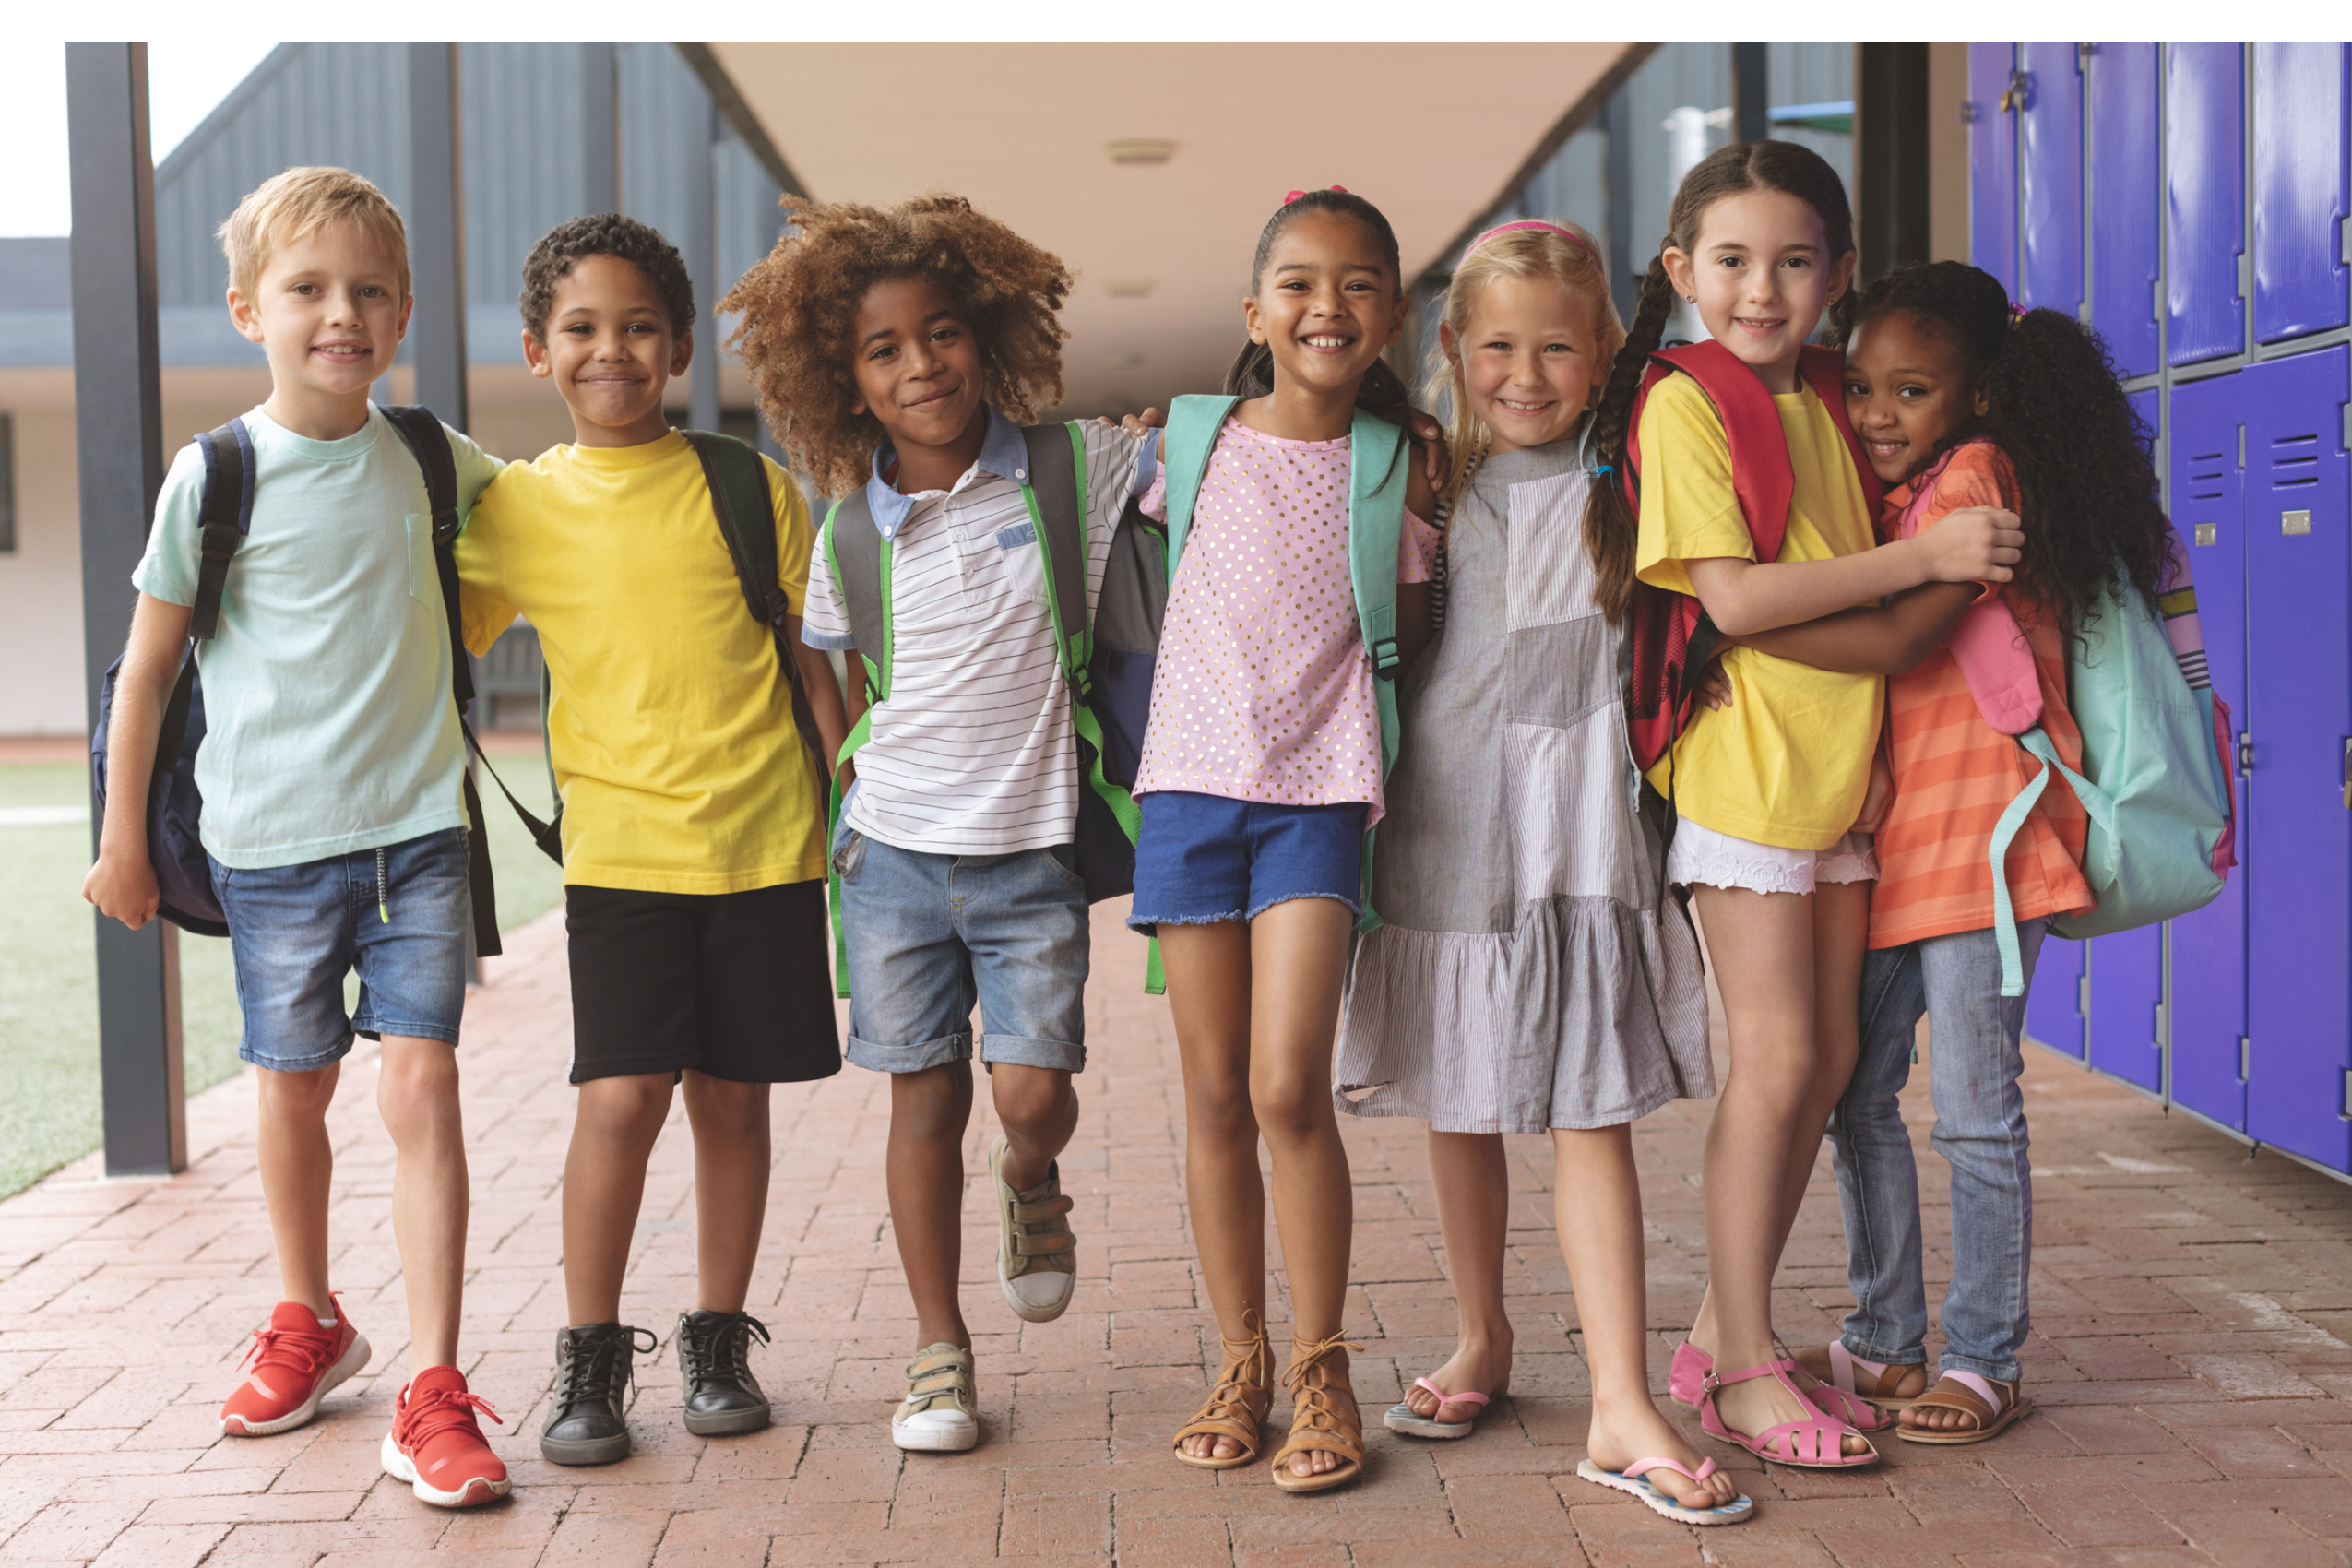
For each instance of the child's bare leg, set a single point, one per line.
(1762, 946)
(1209, 996)
(929, 1111)
(1038, 1108)
(1597, 1200)
(1473, 1187)
(732, 1162)
(417, 1092)
(297, 1164)
(1298, 965)
(613, 1135)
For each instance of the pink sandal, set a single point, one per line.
(1837, 1400)
(1817, 1443)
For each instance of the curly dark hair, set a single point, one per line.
(2088, 490)
(1381, 391)
(608, 233)
(798, 308)
(1783, 166)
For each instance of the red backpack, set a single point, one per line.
(1672, 638)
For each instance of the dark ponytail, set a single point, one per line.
(1381, 391)
(1611, 530)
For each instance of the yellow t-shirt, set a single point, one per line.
(1788, 762)
(671, 727)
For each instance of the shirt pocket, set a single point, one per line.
(1021, 562)
(424, 573)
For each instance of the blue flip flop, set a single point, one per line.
(1634, 1479)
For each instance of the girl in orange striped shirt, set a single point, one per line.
(1963, 400)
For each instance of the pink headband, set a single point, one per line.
(1296, 195)
(1582, 244)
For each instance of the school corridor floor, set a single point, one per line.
(2192, 1358)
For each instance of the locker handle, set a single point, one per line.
(2245, 754)
(2245, 1049)
(2347, 773)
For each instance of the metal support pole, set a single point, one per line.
(118, 433)
(1751, 92)
(702, 266)
(600, 129)
(436, 233)
(1627, 251)
(1891, 127)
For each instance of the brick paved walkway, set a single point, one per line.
(2191, 1364)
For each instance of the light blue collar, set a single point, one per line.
(1004, 454)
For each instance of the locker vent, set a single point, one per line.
(2208, 475)
(2294, 462)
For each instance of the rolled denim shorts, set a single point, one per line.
(931, 937)
(1202, 859)
(398, 915)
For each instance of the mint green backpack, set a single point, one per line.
(2156, 779)
(1378, 475)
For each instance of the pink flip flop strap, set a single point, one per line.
(1643, 1467)
(1445, 1398)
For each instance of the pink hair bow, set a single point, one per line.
(1296, 195)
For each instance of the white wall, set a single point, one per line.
(41, 583)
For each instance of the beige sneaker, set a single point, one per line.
(1037, 1259)
(940, 1411)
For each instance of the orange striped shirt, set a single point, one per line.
(1954, 773)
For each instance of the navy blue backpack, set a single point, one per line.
(174, 806)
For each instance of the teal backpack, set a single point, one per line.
(2156, 779)
(1377, 477)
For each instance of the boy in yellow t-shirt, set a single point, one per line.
(693, 846)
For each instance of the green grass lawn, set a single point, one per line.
(48, 971)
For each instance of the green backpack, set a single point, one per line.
(1378, 475)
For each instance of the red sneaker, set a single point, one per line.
(436, 1447)
(295, 1362)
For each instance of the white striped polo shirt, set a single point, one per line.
(974, 753)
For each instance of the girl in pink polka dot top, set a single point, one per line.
(1261, 773)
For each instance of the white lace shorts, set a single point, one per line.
(1703, 858)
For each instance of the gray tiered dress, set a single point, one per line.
(1524, 978)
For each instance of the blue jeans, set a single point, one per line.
(931, 935)
(398, 915)
(1974, 1063)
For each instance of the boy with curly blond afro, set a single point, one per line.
(898, 353)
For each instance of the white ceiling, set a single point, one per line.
(1431, 133)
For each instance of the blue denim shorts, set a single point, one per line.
(1207, 858)
(398, 915)
(929, 937)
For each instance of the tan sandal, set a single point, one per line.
(1994, 1407)
(1236, 1407)
(1324, 1418)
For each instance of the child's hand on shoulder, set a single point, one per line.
(1429, 437)
(1975, 545)
(1136, 424)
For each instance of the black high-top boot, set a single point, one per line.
(585, 1424)
(714, 1363)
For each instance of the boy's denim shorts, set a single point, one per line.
(398, 915)
(1202, 859)
(931, 935)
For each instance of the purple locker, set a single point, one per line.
(2125, 1034)
(2050, 178)
(2054, 1007)
(2204, 199)
(2126, 193)
(2299, 676)
(2209, 946)
(2302, 188)
(1992, 161)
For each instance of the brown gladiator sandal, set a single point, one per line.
(1236, 1407)
(1324, 1418)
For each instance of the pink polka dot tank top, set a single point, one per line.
(1263, 690)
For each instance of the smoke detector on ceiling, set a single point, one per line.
(1141, 150)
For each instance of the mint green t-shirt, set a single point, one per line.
(329, 726)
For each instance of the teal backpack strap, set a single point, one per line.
(2004, 831)
(1377, 478)
(860, 558)
(1193, 423)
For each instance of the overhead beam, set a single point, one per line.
(739, 118)
(118, 437)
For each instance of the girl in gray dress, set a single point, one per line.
(1528, 978)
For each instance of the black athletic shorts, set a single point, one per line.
(734, 985)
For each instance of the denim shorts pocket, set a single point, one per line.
(1062, 860)
(849, 855)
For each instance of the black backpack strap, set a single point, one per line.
(737, 480)
(224, 515)
(1054, 475)
(428, 440)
